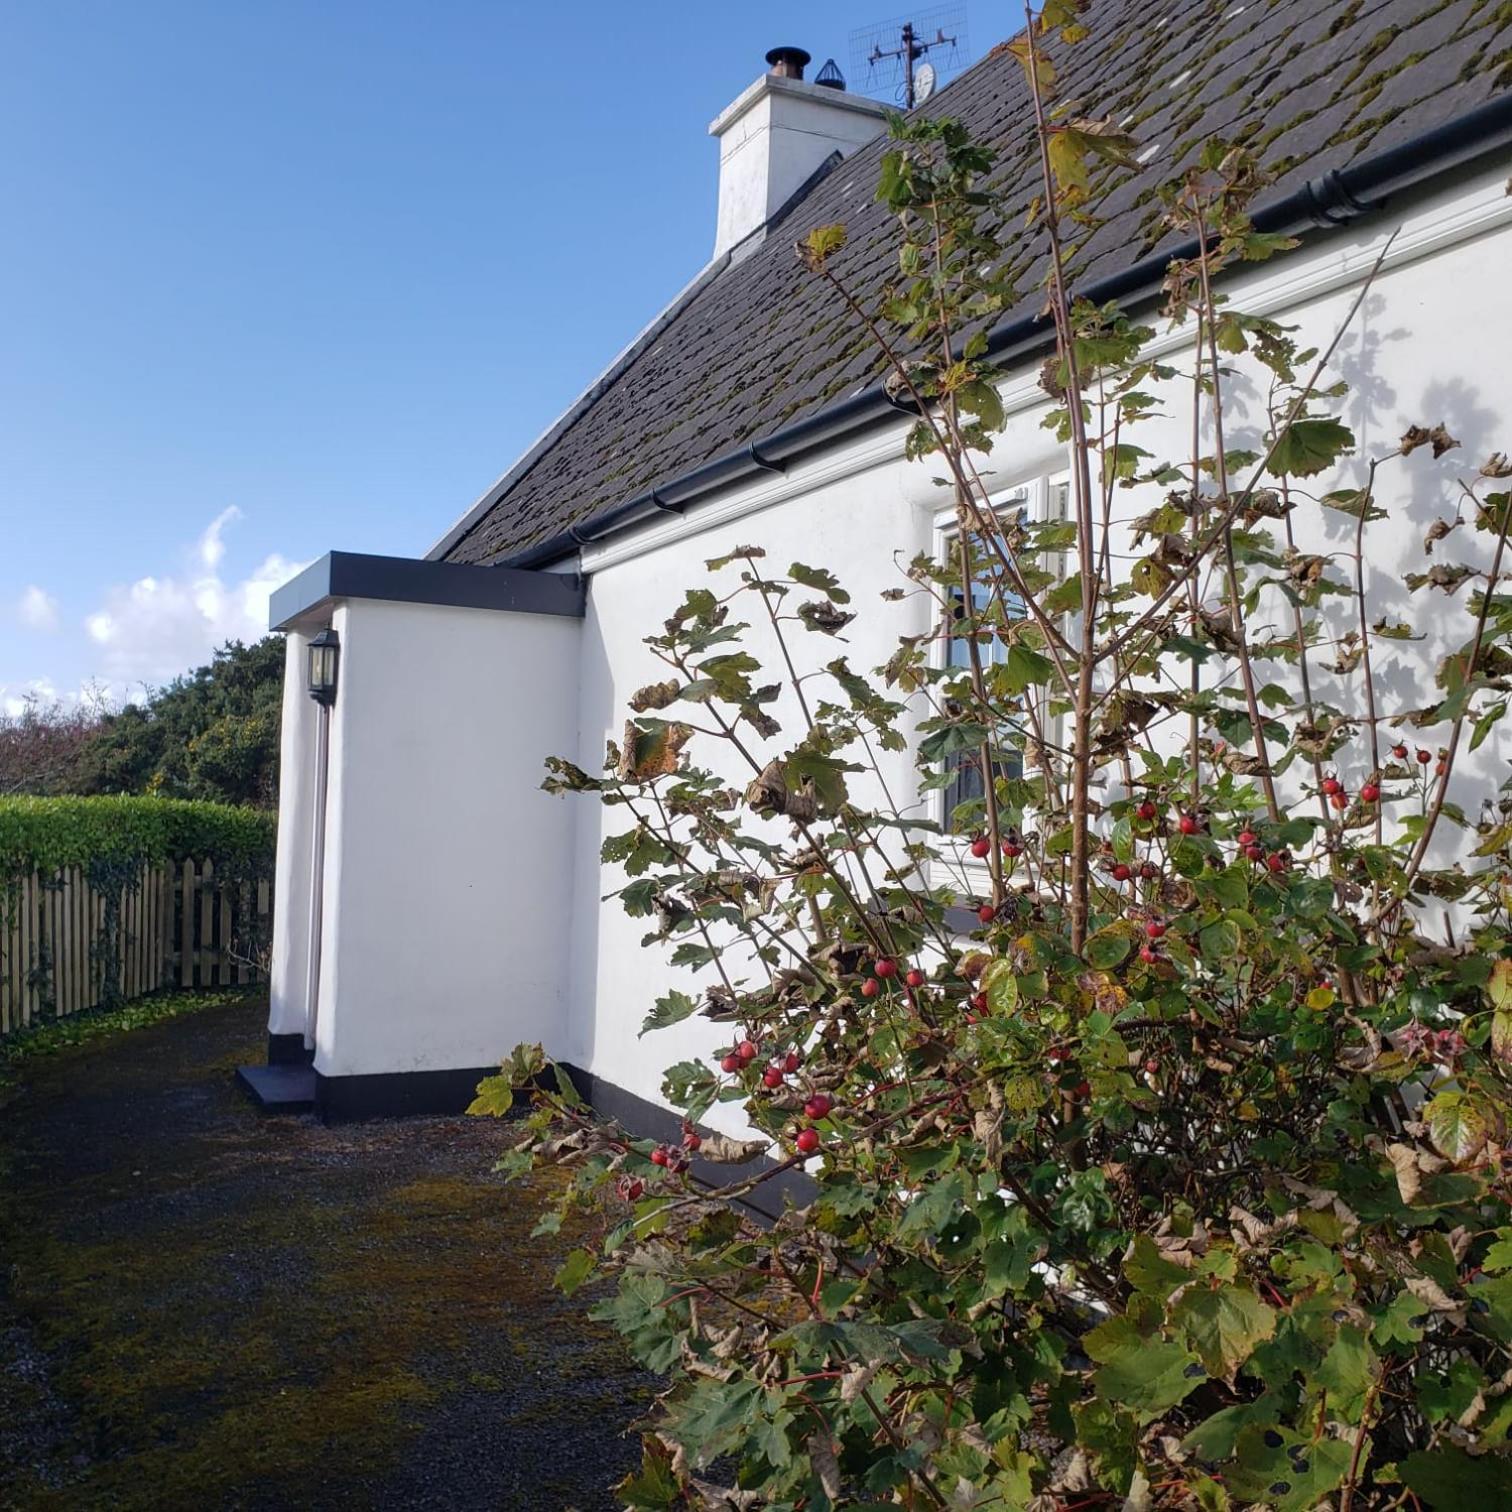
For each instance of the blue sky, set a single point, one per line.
(287, 276)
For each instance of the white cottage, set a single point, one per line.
(434, 907)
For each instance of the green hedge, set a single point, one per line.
(43, 834)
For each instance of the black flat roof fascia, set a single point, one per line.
(409, 580)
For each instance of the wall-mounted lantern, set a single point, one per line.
(324, 653)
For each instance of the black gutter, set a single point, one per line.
(1335, 199)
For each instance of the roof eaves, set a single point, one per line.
(584, 401)
(1332, 200)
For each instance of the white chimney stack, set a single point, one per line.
(777, 133)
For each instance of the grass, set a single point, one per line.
(50, 1036)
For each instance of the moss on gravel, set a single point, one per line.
(209, 1308)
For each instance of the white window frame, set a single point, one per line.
(1044, 496)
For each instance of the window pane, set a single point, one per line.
(965, 766)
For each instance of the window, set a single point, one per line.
(966, 766)
(966, 785)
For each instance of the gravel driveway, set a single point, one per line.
(202, 1307)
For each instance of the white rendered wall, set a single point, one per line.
(289, 976)
(447, 888)
(1429, 346)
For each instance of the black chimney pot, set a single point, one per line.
(788, 62)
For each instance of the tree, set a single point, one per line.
(42, 746)
(1178, 1180)
(212, 733)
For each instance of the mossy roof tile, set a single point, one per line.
(1317, 83)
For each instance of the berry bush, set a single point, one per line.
(1155, 1104)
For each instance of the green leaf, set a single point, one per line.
(1308, 446)
(1456, 1127)
(574, 1270)
(495, 1097)
(817, 577)
(1001, 986)
(826, 773)
(1148, 1271)
(821, 244)
(1149, 1375)
(1499, 984)
(1450, 1478)
(654, 1487)
(1009, 1252)
(1108, 947)
(1346, 1374)
(715, 1416)
(671, 1009)
(1288, 1471)
(1215, 1438)
(650, 1323)
(770, 1436)
(1223, 1325)
(1024, 668)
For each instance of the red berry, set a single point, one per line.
(793, 1061)
(1152, 1065)
(1188, 824)
(772, 1076)
(1369, 793)
(1147, 809)
(1148, 954)
(1399, 751)
(1012, 849)
(659, 1156)
(915, 978)
(1276, 862)
(1247, 838)
(1424, 758)
(1442, 769)
(746, 1050)
(1255, 852)
(1332, 785)
(1339, 800)
(986, 913)
(692, 1141)
(632, 1189)
(980, 846)
(886, 968)
(819, 1105)
(1148, 870)
(1122, 872)
(807, 1140)
(979, 1002)
(870, 987)
(1155, 929)
(731, 1062)
(1081, 1089)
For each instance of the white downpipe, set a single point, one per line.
(317, 869)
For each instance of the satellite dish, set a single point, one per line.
(924, 82)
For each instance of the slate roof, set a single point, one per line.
(1311, 85)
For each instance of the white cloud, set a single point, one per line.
(14, 697)
(157, 627)
(37, 609)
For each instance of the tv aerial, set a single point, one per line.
(891, 56)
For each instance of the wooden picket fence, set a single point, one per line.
(178, 927)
